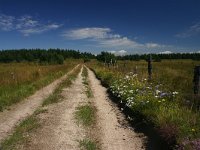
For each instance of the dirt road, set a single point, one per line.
(18, 112)
(114, 135)
(59, 131)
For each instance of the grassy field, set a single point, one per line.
(32, 122)
(19, 80)
(166, 100)
(174, 75)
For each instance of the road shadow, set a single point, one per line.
(140, 125)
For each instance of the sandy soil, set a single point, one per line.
(18, 112)
(59, 130)
(115, 135)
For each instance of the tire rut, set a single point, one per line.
(18, 112)
(114, 135)
(58, 130)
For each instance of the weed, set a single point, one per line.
(86, 83)
(87, 144)
(56, 95)
(85, 115)
(159, 102)
(19, 80)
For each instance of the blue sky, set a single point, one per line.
(118, 26)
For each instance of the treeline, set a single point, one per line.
(159, 57)
(50, 56)
(107, 57)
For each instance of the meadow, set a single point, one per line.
(19, 80)
(167, 100)
(172, 75)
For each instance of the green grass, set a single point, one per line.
(32, 122)
(20, 80)
(56, 95)
(86, 83)
(22, 131)
(85, 115)
(87, 144)
(174, 120)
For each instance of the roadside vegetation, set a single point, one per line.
(87, 144)
(86, 83)
(22, 131)
(161, 101)
(19, 80)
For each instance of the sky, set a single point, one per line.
(118, 26)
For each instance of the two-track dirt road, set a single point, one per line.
(58, 129)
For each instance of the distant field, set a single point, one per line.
(19, 80)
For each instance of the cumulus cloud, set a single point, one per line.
(87, 33)
(26, 24)
(39, 29)
(166, 52)
(104, 37)
(6, 22)
(191, 31)
(120, 52)
(152, 45)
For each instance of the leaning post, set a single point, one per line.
(196, 81)
(150, 67)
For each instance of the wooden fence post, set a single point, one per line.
(150, 67)
(196, 80)
(135, 70)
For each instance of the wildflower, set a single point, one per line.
(159, 101)
(157, 86)
(163, 94)
(147, 101)
(163, 100)
(127, 77)
(131, 91)
(193, 130)
(157, 92)
(156, 96)
(175, 93)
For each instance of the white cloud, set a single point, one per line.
(115, 42)
(26, 24)
(87, 33)
(6, 22)
(166, 52)
(152, 45)
(191, 31)
(39, 29)
(103, 36)
(120, 52)
(112, 52)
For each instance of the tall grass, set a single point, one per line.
(157, 101)
(175, 75)
(19, 80)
